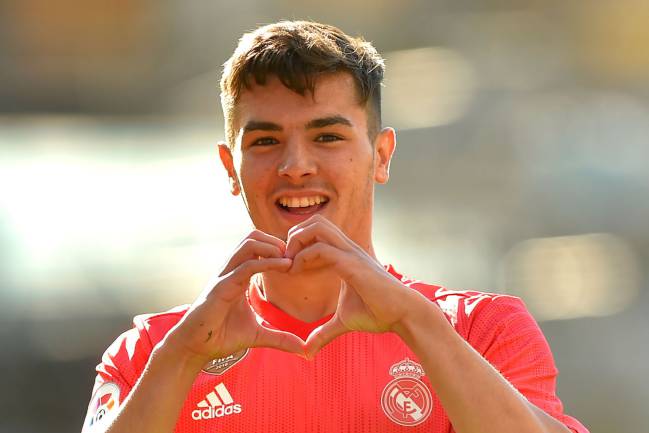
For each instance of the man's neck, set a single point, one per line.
(307, 296)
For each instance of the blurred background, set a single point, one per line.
(521, 167)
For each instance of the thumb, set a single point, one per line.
(323, 335)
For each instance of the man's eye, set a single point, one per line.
(327, 138)
(264, 141)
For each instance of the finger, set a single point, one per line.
(324, 335)
(242, 274)
(270, 239)
(316, 256)
(280, 340)
(307, 222)
(251, 249)
(315, 219)
(317, 231)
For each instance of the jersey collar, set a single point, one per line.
(275, 318)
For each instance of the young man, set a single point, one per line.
(304, 330)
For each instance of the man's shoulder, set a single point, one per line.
(157, 325)
(463, 307)
(466, 305)
(126, 357)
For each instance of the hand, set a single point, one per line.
(220, 322)
(370, 299)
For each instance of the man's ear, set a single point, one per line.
(228, 163)
(384, 145)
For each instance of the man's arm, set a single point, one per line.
(163, 385)
(476, 397)
(220, 322)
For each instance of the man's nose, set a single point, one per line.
(297, 162)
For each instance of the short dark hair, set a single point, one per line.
(297, 52)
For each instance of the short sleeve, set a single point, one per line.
(120, 367)
(507, 335)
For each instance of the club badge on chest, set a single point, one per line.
(406, 400)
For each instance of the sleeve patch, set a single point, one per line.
(103, 405)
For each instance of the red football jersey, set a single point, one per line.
(360, 382)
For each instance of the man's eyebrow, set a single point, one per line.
(260, 125)
(328, 121)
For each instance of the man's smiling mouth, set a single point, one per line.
(302, 205)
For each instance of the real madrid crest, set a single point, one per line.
(406, 400)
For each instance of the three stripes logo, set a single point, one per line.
(216, 404)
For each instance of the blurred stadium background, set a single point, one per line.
(521, 168)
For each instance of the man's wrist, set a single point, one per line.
(168, 352)
(423, 317)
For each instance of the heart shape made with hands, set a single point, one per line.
(323, 334)
(327, 332)
(367, 300)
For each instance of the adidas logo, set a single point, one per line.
(216, 404)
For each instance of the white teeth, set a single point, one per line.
(302, 201)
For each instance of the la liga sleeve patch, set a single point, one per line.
(103, 406)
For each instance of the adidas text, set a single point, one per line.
(215, 412)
